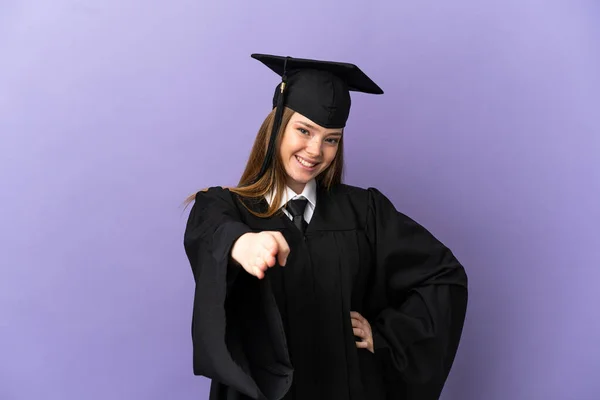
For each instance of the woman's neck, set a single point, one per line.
(296, 187)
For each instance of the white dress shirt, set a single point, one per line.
(309, 193)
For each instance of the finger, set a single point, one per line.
(268, 248)
(258, 273)
(282, 247)
(260, 263)
(268, 258)
(360, 321)
(360, 333)
(362, 345)
(356, 323)
(270, 261)
(269, 243)
(354, 314)
(256, 268)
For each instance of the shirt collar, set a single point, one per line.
(309, 193)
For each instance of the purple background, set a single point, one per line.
(112, 111)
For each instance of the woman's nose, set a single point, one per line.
(314, 147)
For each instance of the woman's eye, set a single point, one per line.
(333, 141)
(303, 131)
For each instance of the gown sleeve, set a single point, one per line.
(237, 340)
(416, 333)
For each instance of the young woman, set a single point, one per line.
(307, 288)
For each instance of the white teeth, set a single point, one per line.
(305, 163)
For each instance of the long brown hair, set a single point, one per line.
(276, 177)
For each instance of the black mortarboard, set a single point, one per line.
(319, 90)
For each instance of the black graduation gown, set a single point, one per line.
(290, 336)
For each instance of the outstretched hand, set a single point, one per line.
(256, 252)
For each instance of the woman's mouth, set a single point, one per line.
(306, 164)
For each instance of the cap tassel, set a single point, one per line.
(276, 123)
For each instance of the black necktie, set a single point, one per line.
(296, 208)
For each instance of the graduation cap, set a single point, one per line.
(319, 90)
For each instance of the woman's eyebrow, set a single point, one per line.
(305, 124)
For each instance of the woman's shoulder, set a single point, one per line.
(213, 193)
(359, 193)
(363, 200)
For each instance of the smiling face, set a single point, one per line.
(306, 150)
